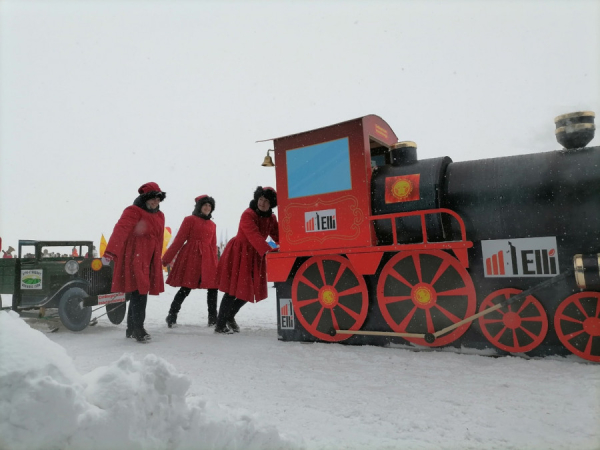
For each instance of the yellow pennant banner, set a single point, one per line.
(102, 245)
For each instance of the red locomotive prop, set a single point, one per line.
(497, 256)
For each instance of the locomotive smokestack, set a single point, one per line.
(575, 130)
(404, 152)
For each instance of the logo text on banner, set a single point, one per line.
(114, 297)
(324, 220)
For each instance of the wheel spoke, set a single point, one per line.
(309, 283)
(339, 274)
(334, 321)
(574, 334)
(497, 336)
(583, 311)
(570, 319)
(515, 338)
(348, 311)
(528, 333)
(303, 303)
(430, 326)
(417, 263)
(440, 271)
(350, 291)
(526, 303)
(400, 278)
(315, 322)
(532, 319)
(459, 291)
(486, 321)
(395, 298)
(588, 346)
(407, 319)
(448, 314)
(321, 270)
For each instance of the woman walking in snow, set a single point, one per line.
(135, 246)
(196, 264)
(242, 273)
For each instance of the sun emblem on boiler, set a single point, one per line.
(402, 189)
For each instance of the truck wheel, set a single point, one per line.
(71, 311)
(116, 312)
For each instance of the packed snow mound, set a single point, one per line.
(46, 404)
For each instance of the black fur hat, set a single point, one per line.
(202, 199)
(268, 193)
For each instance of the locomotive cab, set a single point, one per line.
(324, 188)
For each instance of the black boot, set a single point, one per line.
(171, 319)
(231, 323)
(224, 312)
(140, 335)
(211, 300)
(176, 306)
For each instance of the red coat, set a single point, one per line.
(242, 270)
(196, 264)
(136, 242)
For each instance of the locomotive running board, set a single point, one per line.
(377, 333)
(431, 337)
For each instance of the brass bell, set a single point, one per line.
(268, 161)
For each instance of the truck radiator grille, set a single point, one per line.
(100, 281)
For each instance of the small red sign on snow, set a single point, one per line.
(115, 297)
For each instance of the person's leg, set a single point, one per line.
(224, 311)
(129, 330)
(211, 300)
(138, 315)
(237, 305)
(176, 305)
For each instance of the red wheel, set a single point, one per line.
(577, 324)
(328, 293)
(516, 328)
(424, 292)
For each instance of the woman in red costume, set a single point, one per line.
(242, 273)
(135, 246)
(196, 265)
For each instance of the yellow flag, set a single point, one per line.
(166, 239)
(102, 246)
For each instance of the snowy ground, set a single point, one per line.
(190, 388)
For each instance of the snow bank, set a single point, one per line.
(45, 403)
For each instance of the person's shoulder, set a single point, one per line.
(133, 210)
(249, 212)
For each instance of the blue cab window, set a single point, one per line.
(319, 169)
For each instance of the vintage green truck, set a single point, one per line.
(65, 275)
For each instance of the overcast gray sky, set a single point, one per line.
(99, 97)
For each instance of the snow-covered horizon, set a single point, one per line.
(190, 388)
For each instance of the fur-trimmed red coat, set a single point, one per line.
(196, 263)
(242, 270)
(136, 243)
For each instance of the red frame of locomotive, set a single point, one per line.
(356, 240)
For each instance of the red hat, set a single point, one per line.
(151, 190)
